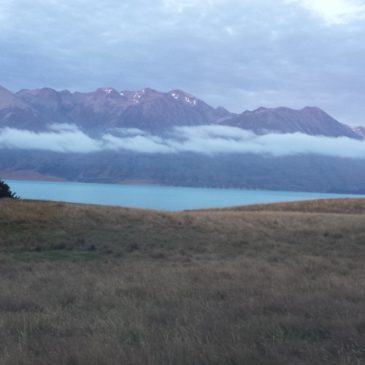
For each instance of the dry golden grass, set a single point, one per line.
(340, 206)
(95, 285)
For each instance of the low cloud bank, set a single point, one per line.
(207, 139)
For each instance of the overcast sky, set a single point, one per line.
(240, 54)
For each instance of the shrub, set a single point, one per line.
(5, 191)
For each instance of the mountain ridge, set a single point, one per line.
(103, 111)
(151, 110)
(308, 120)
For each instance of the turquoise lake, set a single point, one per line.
(155, 196)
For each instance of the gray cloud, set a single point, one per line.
(237, 53)
(209, 140)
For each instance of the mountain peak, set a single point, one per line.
(183, 96)
(9, 100)
(258, 110)
(3, 90)
(42, 92)
(360, 130)
(313, 110)
(308, 120)
(135, 97)
(107, 91)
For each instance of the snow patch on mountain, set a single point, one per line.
(184, 97)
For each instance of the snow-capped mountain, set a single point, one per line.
(107, 108)
(89, 150)
(154, 111)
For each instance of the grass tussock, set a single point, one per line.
(282, 284)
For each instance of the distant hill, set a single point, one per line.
(249, 171)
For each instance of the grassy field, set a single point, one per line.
(90, 285)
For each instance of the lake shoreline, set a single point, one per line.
(156, 197)
(148, 182)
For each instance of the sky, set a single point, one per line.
(240, 54)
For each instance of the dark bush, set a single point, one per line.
(5, 191)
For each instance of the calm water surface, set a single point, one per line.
(155, 196)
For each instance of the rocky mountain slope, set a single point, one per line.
(153, 111)
(105, 108)
(309, 120)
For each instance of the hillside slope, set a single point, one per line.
(286, 173)
(100, 285)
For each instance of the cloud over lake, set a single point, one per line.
(206, 139)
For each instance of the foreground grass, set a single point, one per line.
(280, 284)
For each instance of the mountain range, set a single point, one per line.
(93, 119)
(150, 110)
